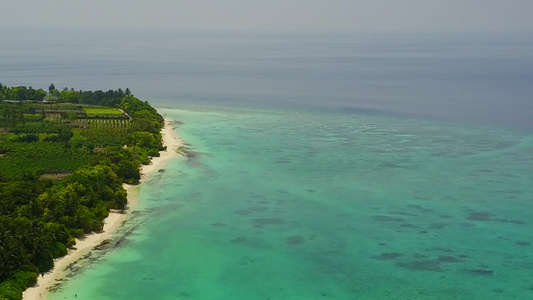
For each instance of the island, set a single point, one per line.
(65, 159)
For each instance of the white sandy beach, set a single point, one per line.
(170, 139)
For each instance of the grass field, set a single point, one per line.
(99, 111)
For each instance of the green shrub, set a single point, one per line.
(25, 279)
(51, 138)
(76, 232)
(9, 290)
(71, 242)
(59, 250)
(43, 260)
(27, 138)
(33, 118)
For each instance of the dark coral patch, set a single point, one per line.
(480, 272)
(480, 216)
(245, 260)
(240, 239)
(258, 208)
(219, 224)
(283, 161)
(403, 213)
(388, 256)
(518, 222)
(523, 243)
(443, 249)
(243, 212)
(407, 225)
(438, 225)
(295, 240)
(422, 265)
(420, 208)
(387, 219)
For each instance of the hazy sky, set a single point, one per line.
(352, 15)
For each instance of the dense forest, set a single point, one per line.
(110, 98)
(64, 156)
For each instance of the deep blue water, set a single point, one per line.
(479, 78)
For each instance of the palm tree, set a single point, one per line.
(11, 254)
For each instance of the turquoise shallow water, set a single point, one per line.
(301, 205)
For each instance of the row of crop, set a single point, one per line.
(108, 123)
(20, 158)
(102, 136)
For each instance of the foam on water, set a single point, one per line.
(300, 205)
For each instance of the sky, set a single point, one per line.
(279, 15)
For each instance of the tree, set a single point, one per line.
(65, 133)
(39, 95)
(129, 170)
(143, 139)
(144, 124)
(19, 93)
(51, 87)
(53, 95)
(70, 96)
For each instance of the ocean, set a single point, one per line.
(322, 166)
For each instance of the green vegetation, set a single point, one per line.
(102, 111)
(21, 93)
(62, 165)
(39, 157)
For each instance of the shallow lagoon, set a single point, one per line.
(315, 205)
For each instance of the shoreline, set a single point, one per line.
(172, 141)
